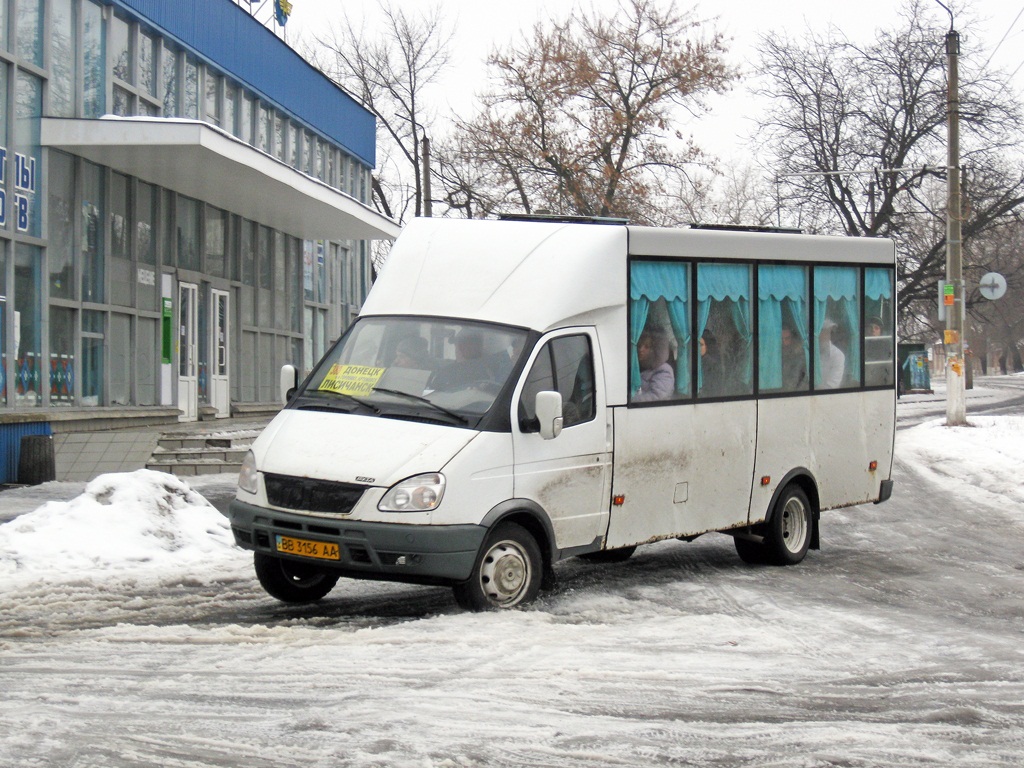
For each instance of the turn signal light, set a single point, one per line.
(618, 500)
(766, 480)
(872, 466)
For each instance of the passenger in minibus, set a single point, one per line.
(794, 362)
(712, 371)
(411, 352)
(830, 357)
(657, 379)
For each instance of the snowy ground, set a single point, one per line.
(132, 633)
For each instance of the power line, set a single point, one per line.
(1003, 39)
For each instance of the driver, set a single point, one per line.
(469, 366)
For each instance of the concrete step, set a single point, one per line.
(188, 455)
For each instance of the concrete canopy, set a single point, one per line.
(203, 162)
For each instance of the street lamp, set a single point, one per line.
(954, 295)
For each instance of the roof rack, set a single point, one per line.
(557, 218)
(747, 228)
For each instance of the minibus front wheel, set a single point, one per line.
(290, 581)
(507, 573)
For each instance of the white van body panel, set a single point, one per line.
(672, 483)
(476, 480)
(348, 448)
(526, 274)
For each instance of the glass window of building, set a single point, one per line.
(3, 44)
(27, 160)
(92, 373)
(28, 381)
(280, 127)
(60, 254)
(121, 49)
(190, 93)
(211, 104)
(63, 59)
(92, 233)
(295, 145)
(121, 277)
(230, 107)
(124, 102)
(120, 365)
(245, 113)
(147, 63)
(30, 31)
(189, 256)
(146, 288)
(263, 128)
(62, 356)
(216, 239)
(169, 67)
(94, 60)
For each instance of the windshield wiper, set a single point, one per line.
(420, 399)
(357, 400)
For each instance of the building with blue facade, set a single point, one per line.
(183, 209)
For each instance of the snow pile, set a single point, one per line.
(987, 455)
(140, 520)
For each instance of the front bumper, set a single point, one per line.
(419, 554)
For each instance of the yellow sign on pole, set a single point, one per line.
(952, 337)
(351, 379)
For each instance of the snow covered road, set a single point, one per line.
(899, 643)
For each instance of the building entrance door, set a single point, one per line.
(220, 387)
(188, 351)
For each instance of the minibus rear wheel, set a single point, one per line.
(787, 535)
(507, 573)
(290, 581)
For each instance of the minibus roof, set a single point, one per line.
(549, 274)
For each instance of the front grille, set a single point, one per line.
(308, 495)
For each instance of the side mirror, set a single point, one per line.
(289, 381)
(548, 408)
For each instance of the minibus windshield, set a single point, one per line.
(434, 369)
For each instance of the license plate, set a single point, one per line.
(321, 550)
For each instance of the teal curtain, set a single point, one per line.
(650, 281)
(726, 282)
(877, 284)
(780, 289)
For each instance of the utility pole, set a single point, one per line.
(427, 207)
(954, 293)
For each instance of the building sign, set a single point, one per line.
(24, 189)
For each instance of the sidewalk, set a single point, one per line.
(81, 456)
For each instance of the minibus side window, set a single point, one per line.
(564, 365)
(836, 327)
(783, 359)
(878, 327)
(725, 362)
(659, 328)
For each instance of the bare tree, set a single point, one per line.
(857, 133)
(388, 71)
(580, 121)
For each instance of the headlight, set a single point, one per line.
(415, 494)
(247, 474)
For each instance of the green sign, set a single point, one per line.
(167, 330)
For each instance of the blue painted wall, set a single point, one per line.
(10, 446)
(223, 34)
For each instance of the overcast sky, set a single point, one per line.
(480, 26)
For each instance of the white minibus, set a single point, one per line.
(516, 392)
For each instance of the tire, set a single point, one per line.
(751, 552)
(507, 573)
(620, 555)
(290, 581)
(787, 534)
